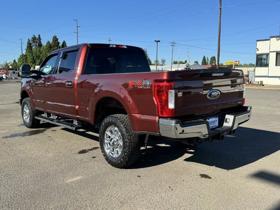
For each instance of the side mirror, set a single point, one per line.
(25, 70)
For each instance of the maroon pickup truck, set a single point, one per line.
(111, 89)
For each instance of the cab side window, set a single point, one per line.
(68, 60)
(49, 65)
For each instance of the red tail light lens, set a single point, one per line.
(164, 97)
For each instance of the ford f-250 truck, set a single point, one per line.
(111, 89)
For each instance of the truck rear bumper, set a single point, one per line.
(177, 129)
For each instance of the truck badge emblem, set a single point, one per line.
(213, 94)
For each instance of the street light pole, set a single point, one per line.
(157, 42)
(172, 53)
(219, 33)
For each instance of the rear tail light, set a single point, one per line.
(164, 95)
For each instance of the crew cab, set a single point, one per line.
(110, 88)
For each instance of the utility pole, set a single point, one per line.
(172, 53)
(21, 51)
(109, 40)
(157, 42)
(219, 33)
(77, 30)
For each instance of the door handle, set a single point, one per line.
(69, 84)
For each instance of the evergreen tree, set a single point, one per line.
(55, 43)
(21, 60)
(29, 54)
(39, 41)
(63, 44)
(36, 51)
(213, 60)
(14, 65)
(204, 61)
(46, 50)
(48, 47)
(207, 61)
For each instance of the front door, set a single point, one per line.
(39, 86)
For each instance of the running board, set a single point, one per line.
(62, 123)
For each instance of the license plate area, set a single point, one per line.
(213, 122)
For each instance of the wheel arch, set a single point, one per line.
(107, 106)
(24, 94)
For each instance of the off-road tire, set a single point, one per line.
(32, 122)
(131, 143)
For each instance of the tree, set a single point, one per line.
(163, 61)
(204, 61)
(48, 47)
(6, 65)
(207, 61)
(14, 65)
(21, 60)
(55, 43)
(213, 60)
(63, 44)
(36, 51)
(196, 63)
(29, 54)
(39, 41)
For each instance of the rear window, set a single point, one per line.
(116, 60)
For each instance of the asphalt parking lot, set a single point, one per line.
(52, 168)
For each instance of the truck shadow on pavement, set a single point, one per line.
(248, 146)
(157, 154)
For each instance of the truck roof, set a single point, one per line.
(100, 45)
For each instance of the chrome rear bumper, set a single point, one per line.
(173, 128)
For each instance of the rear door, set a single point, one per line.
(61, 98)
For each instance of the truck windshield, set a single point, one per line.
(116, 60)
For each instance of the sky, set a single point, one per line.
(192, 24)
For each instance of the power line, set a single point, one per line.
(77, 30)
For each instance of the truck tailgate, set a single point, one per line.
(204, 92)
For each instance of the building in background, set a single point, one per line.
(268, 61)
